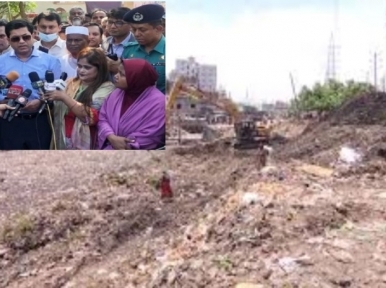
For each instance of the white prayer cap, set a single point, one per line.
(77, 30)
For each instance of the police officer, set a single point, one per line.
(146, 24)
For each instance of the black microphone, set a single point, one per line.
(48, 86)
(36, 83)
(50, 79)
(21, 101)
(13, 92)
(63, 76)
(60, 83)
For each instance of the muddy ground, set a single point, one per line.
(92, 219)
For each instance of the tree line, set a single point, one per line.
(327, 96)
(16, 10)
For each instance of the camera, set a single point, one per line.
(113, 57)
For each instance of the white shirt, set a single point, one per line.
(59, 49)
(6, 50)
(69, 65)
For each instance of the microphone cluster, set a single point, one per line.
(18, 98)
(49, 85)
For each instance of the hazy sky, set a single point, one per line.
(257, 43)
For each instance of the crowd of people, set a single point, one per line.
(114, 94)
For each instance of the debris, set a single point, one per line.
(349, 155)
(249, 285)
(315, 170)
(250, 198)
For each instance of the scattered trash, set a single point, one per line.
(288, 264)
(349, 156)
(250, 198)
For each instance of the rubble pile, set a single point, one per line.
(230, 222)
(358, 124)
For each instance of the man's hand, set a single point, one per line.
(4, 107)
(32, 106)
(113, 65)
(119, 143)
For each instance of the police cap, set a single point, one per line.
(145, 14)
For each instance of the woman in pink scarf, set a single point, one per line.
(133, 116)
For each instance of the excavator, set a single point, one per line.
(249, 135)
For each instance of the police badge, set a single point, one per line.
(137, 17)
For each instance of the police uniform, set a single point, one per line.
(146, 14)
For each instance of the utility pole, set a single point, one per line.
(375, 70)
(294, 92)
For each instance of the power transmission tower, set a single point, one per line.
(331, 60)
(375, 70)
(331, 73)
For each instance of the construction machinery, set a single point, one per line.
(248, 134)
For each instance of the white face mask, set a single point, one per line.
(48, 37)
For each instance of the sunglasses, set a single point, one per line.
(24, 37)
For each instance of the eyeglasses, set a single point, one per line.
(2, 36)
(117, 23)
(24, 37)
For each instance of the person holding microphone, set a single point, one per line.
(4, 107)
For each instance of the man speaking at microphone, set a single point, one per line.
(30, 130)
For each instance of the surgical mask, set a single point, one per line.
(48, 37)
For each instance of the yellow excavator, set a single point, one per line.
(249, 135)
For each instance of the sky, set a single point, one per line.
(256, 44)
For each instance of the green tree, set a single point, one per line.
(324, 97)
(15, 10)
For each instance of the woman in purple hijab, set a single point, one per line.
(133, 116)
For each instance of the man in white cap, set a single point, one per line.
(76, 41)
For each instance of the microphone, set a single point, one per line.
(6, 81)
(36, 83)
(13, 92)
(60, 83)
(50, 81)
(21, 101)
(48, 86)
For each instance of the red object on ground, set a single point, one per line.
(166, 189)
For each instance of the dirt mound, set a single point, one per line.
(368, 109)
(358, 124)
(218, 147)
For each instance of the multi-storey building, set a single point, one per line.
(201, 75)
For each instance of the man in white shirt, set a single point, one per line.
(49, 26)
(76, 41)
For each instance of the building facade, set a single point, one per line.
(200, 75)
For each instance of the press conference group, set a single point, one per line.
(94, 82)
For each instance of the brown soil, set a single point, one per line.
(95, 219)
